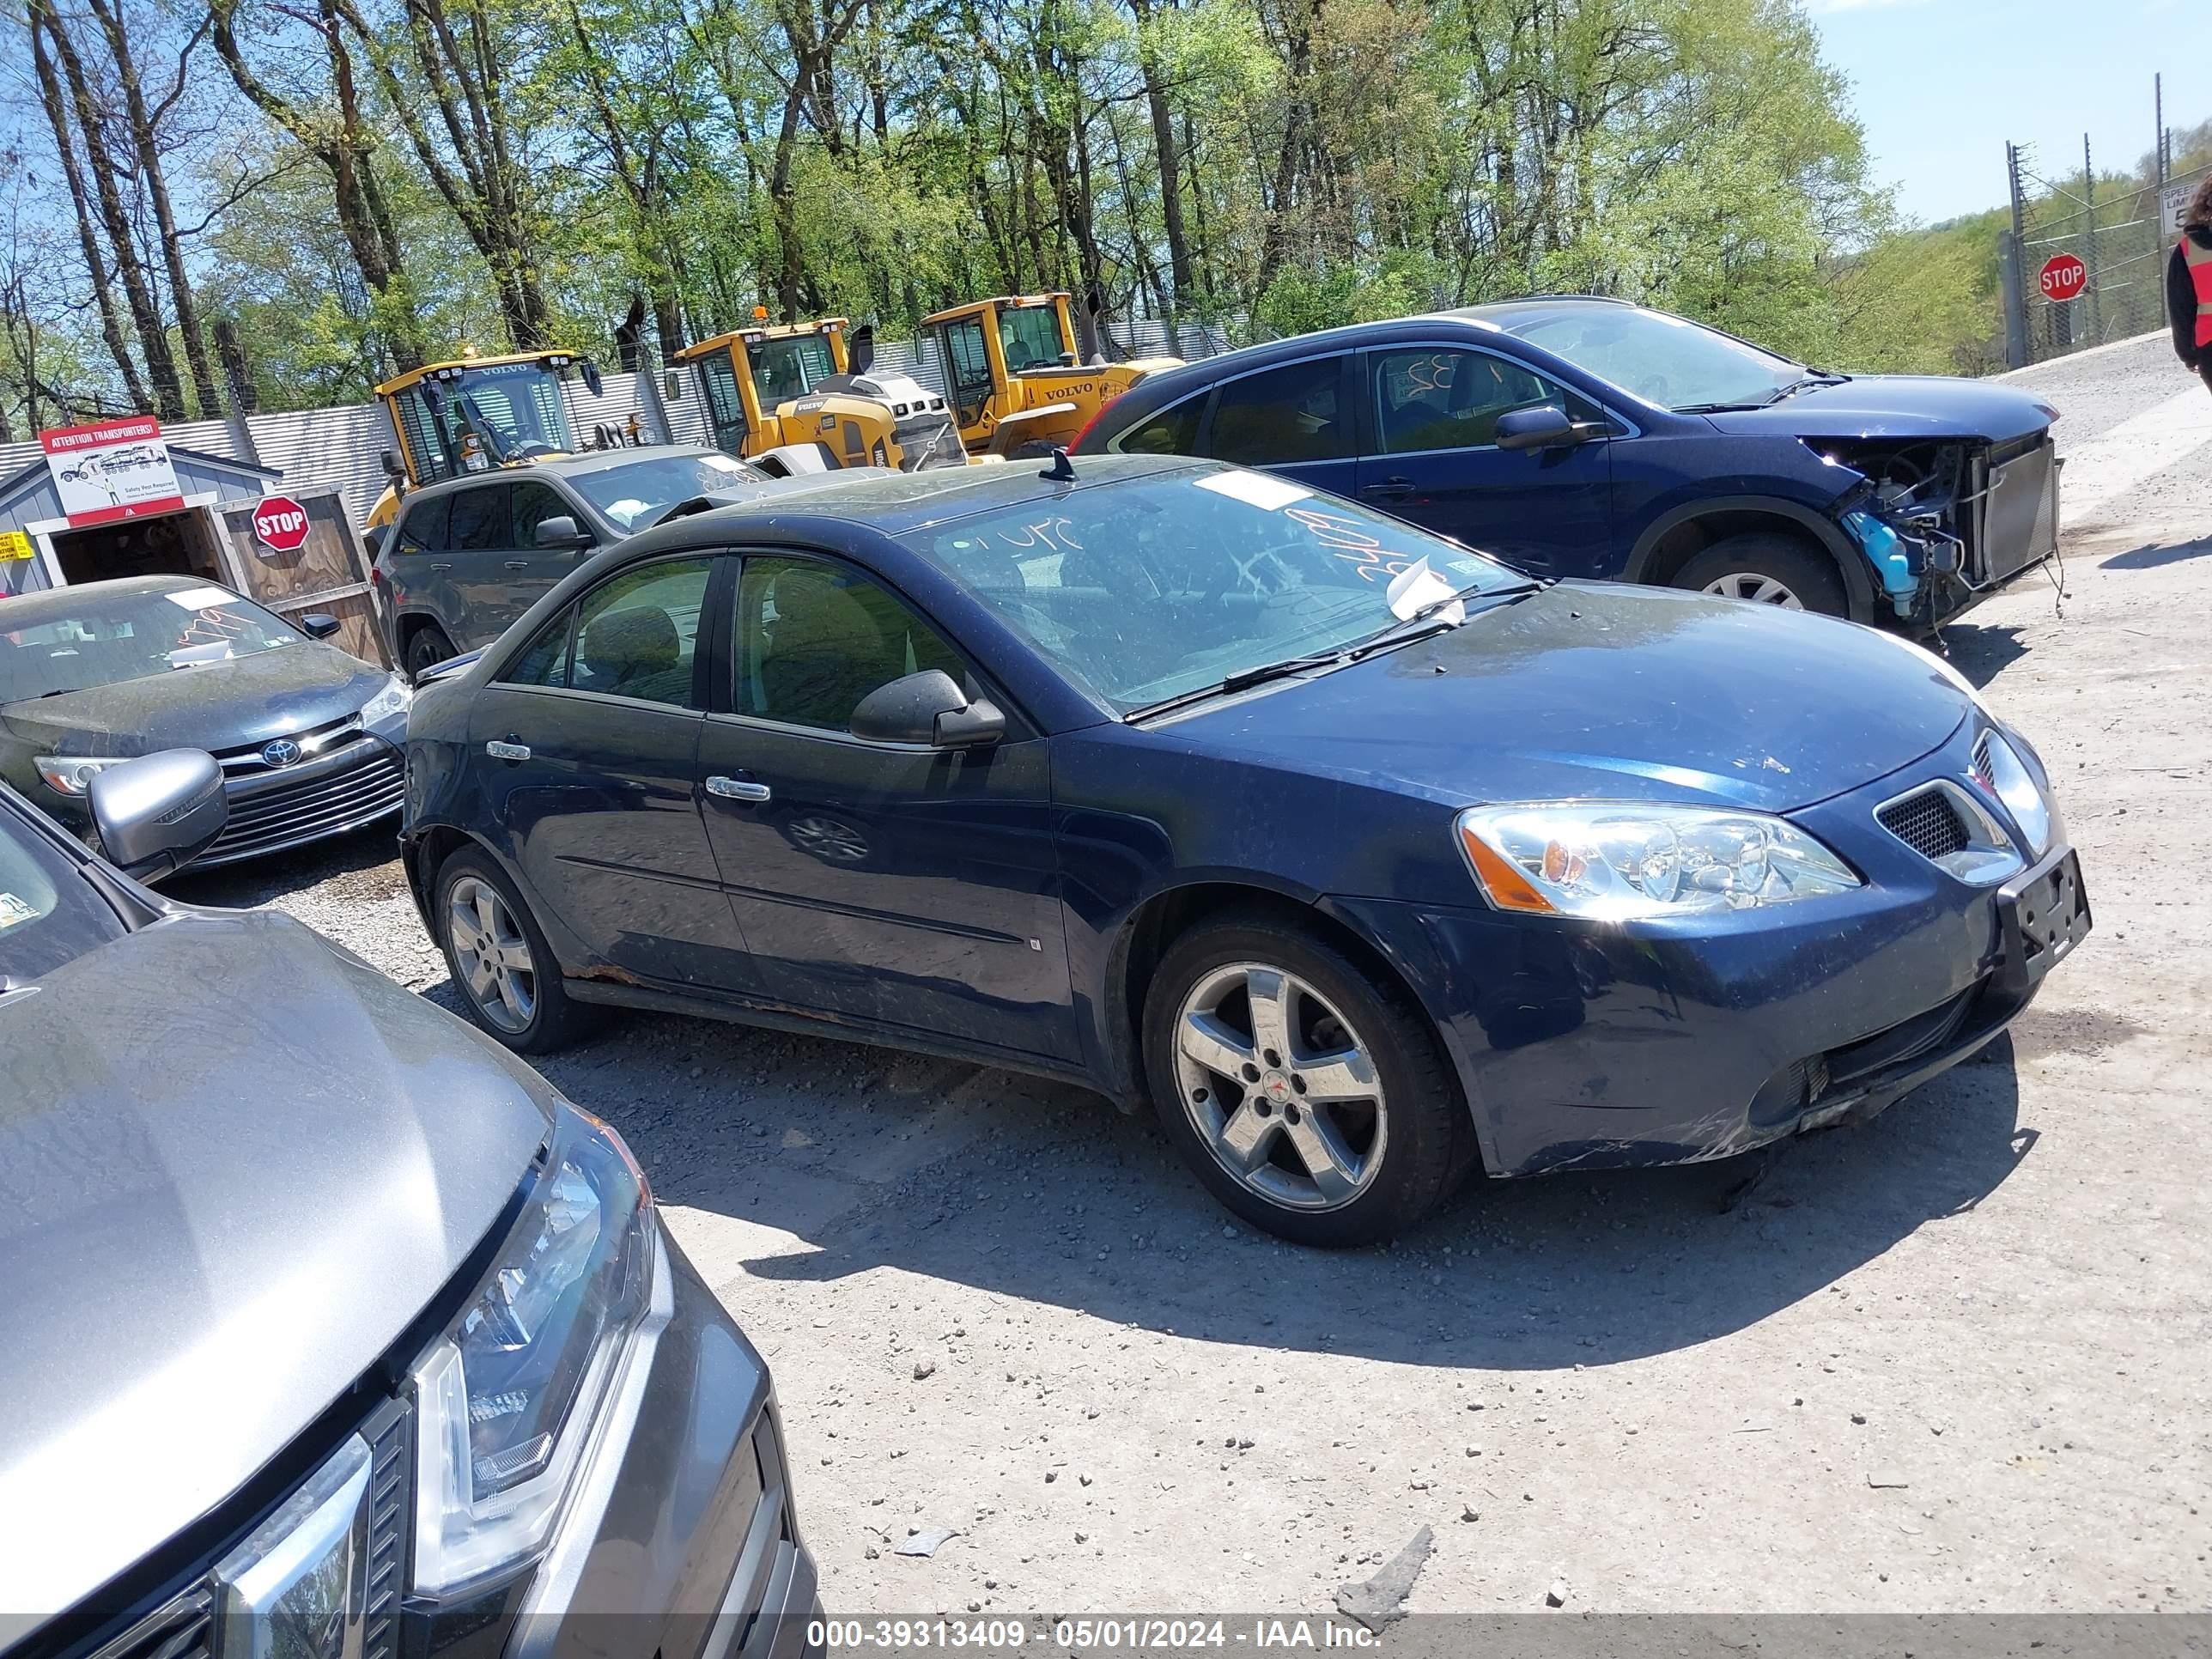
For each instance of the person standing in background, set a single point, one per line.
(2189, 285)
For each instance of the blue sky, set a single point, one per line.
(1941, 85)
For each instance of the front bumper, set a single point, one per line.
(680, 1539)
(1586, 1046)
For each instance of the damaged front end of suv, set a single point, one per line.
(1942, 521)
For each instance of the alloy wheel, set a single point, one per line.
(1279, 1087)
(1759, 589)
(492, 954)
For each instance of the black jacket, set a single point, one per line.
(2181, 299)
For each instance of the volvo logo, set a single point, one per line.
(282, 752)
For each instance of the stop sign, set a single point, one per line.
(2064, 278)
(280, 523)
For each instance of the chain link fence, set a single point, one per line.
(2085, 260)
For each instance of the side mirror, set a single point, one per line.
(929, 708)
(861, 349)
(393, 470)
(1545, 427)
(159, 812)
(318, 625)
(560, 530)
(593, 383)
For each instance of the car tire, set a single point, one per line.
(1766, 567)
(504, 972)
(1386, 1159)
(427, 647)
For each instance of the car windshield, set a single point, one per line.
(49, 914)
(1667, 360)
(1143, 589)
(113, 637)
(635, 494)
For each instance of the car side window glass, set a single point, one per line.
(480, 520)
(638, 633)
(534, 503)
(1173, 431)
(814, 639)
(968, 366)
(1283, 414)
(544, 661)
(1438, 397)
(423, 530)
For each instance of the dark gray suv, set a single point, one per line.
(333, 1330)
(466, 557)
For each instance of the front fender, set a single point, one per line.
(1850, 559)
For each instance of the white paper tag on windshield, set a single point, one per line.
(1417, 587)
(14, 910)
(199, 598)
(722, 464)
(1259, 490)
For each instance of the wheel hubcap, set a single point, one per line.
(1759, 589)
(491, 954)
(1279, 1087)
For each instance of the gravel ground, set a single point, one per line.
(1953, 1360)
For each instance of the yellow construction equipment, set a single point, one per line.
(473, 413)
(1019, 378)
(805, 396)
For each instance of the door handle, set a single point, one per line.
(1392, 488)
(736, 789)
(508, 751)
(438, 567)
(518, 564)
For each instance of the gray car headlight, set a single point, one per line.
(72, 775)
(2005, 775)
(1625, 861)
(508, 1397)
(391, 700)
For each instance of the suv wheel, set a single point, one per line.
(504, 971)
(1311, 1101)
(427, 647)
(1769, 568)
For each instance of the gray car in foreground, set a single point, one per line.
(333, 1330)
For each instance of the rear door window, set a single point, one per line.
(423, 529)
(480, 520)
(1173, 431)
(1281, 415)
(544, 661)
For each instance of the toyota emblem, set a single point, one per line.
(282, 752)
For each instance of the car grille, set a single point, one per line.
(184, 1623)
(1928, 824)
(367, 788)
(245, 761)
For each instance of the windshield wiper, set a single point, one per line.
(1429, 619)
(1806, 382)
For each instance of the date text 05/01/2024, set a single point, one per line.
(1086, 1635)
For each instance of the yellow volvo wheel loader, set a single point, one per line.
(1019, 379)
(806, 396)
(474, 413)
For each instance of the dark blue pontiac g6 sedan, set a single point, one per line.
(1367, 859)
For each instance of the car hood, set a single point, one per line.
(1594, 691)
(1903, 406)
(223, 705)
(235, 1165)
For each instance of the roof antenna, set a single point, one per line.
(1062, 471)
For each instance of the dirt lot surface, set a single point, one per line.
(1954, 1360)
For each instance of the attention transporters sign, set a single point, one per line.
(112, 470)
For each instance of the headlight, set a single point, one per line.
(2000, 772)
(392, 699)
(1621, 861)
(508, 1397)
(73, 773)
